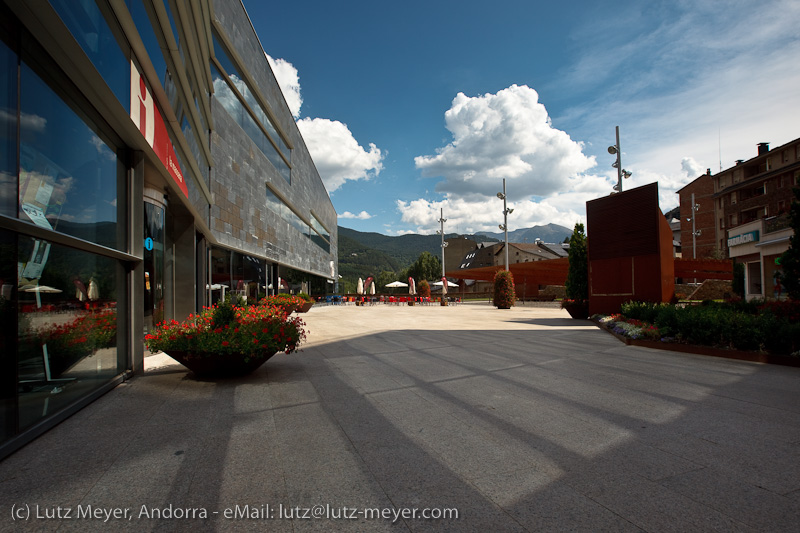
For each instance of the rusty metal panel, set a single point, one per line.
(624, 224)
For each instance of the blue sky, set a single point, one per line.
(412, 107)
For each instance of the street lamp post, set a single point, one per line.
(441, 221)
(695, 232)
(621, 172)
(506, 212)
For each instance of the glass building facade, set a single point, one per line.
(136, 142)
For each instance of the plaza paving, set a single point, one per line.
(521, 420)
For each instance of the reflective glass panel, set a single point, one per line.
(237, 80)
(8, 131)
(88, 26)
(153, 261)
(8, 335)
(221, 275)
(145, 28)
(67, 326)
(68, 173)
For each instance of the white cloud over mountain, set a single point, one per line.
(504, 135)
(338, 156)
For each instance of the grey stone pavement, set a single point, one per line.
(520, 420)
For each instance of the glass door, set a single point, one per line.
(153, 264)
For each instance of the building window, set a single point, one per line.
(733, 197)
(722, 223)
(60, 172)
(88, 26)
(320, 236)
(754, 278)
(233, 92)
(238, 274)
(733, 220)
(8, 130)
(760, 190)
(68, 334)
(68, 171)
(750, 215)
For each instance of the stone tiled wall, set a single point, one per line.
(239, 217)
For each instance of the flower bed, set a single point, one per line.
(287, 302)
(69, 343)
(756, 327)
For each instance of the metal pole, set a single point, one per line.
(505, 221)
(619, 163)
(694, 231)
(441, 221)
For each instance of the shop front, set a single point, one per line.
(758, 245)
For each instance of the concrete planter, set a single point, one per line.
(305, 307)
(213, 365)
(579, 310)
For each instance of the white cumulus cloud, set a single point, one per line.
(504, 135)
(289, 82)
(338, 156)
(692, 168)
(336, 153)
(363, 215)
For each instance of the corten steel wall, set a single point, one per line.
(630, 250)
(527, 276)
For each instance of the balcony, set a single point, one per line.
(778, 223)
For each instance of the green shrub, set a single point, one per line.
(424, 289)
(504, 295)
(754, 325)
(223, 314)
(577, 283)
(644, 311)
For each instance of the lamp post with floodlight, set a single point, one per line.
(621, 172)
(441, 221)
(506, 212)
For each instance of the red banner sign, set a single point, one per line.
(146, 116)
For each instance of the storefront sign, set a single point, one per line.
(147, 118)
(744, 238)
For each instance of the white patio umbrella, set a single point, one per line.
(444, 285)
(39, 289)
(94, 292)
(360, 286)
(412, 287)
(372, 288)
(396, 284)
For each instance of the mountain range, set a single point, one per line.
(552, 233)
(361, 252)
